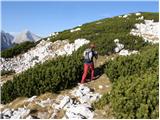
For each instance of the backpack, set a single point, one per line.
(88, 55)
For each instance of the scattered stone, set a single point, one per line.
(77, 106)
(100, 86)
(48, 39)
(54, 34)
(107, 86)
(98, 23)
(125, 16)
(21, 113)
(64, 102)
(29, 117)
(81, 111)
(112, 58)
(140, 18)
(119, 46)
(74, 30)
(31, 99)
(43, 115)
(7, 113)
(126, 52)
(137, 14)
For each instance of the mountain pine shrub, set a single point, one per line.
(134, 64)
(136, 96)
(135, 91)
(17, 49)
(52, 76)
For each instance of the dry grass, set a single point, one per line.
(5, 78)
(19, 102)
(103, 81)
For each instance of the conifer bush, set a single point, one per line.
(135, 89)
(17, 49)
(105, 99)
(136, 96)
(134, 64)
(52, 76)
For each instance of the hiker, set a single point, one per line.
(88, 62)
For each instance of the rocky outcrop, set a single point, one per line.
(148, 30)
(42, 52)
(121, 51)
(75, 105)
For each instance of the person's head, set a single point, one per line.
(92, 46)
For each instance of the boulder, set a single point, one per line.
(100, 86)
(31, 99)
(81, 111)
(137, 14)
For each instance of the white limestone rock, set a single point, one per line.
(125, 16)
(140, 18)
(137, 14)
(43, 115)
(100, 87)
(7, 113)
(21, 113)
(98, 23)
(127, 52)
(31, 99)
(54, 34)
(64, 102)
(123, 52)
(80, 111)
(39, 54)
(119, 46)
(148, 30)
(76, 29)
(29, 117)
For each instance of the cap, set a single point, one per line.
(92, 45)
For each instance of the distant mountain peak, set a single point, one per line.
(26, 35)
(6, 40)
(26, 31)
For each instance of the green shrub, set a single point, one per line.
(102, 101)
(103, 34)
(151, 16)
(135, 89)
(134, 64)
(17, 49)
(52, 76)
(136, 96)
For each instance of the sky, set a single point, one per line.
(45, 17)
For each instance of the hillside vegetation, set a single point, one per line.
(135, 78)
(101, 32)
(135, 85)
(52, 76)
(17, 49)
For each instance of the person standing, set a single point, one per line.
(89, 54)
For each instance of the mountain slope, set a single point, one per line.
(26, 36)
(134, 93)
(6, 40)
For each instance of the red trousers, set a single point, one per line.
(86, 66)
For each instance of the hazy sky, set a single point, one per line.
(44, 18)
